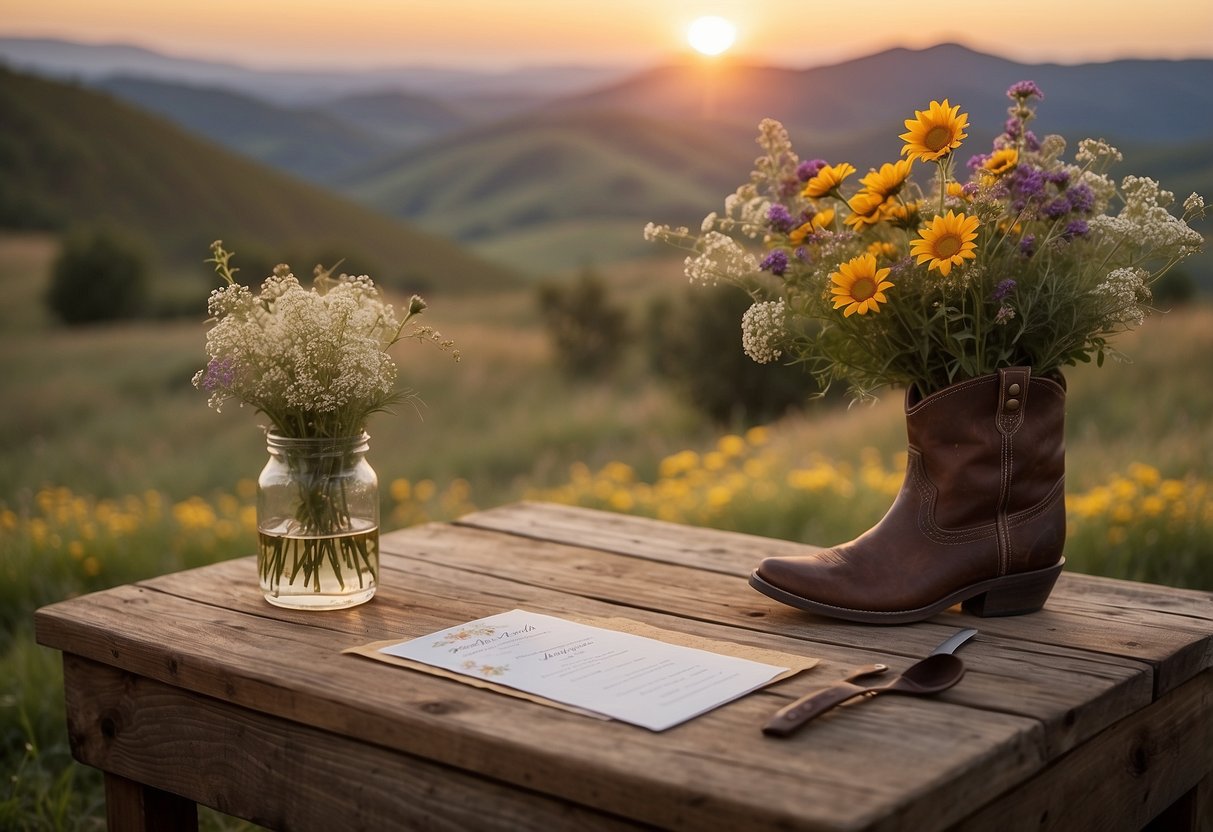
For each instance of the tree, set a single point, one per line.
(587, 330)
(98, 275)
(695, 342)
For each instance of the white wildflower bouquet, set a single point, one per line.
(1021, 259)
(314, 361)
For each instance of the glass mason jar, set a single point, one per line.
(317, 523)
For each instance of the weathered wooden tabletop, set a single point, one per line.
(1094, 713)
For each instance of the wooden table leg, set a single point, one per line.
(1193, 812)
(134, 807)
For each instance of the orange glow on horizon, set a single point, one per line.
(496, 34)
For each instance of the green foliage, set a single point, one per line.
(73, 155)
(695, 343)
(99, 275)
(586, 328)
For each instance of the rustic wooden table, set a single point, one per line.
(1091, 714)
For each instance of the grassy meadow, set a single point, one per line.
(113, 468)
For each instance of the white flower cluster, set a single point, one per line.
(1146, 208)
(1126, 290)
(298, 349)
(720, 257)
(1097, 151)
(763, 330)
(1194, 204)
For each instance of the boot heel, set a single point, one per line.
(1015, 594)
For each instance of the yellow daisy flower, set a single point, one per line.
(956, 190)
(859, 286)
(888, 180)
(866, 209)
(827, 180)
(934, 133)
(883, 249)
(946, 241)
(820, 221)
(1001, 161)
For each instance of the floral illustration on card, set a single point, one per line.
(485, 669)
(463, 634)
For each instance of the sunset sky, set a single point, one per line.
(506, 33)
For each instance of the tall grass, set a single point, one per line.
(113, 469)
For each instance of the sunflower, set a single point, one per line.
(1001, 161)
(888, 180)
(946, 241)
(934, 133)
(827, 179)
(867, 208)
(859, 286)
(818, 222)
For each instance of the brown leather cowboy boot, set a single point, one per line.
(980, 518)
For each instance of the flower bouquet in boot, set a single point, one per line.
(315, 362)
(971, 287)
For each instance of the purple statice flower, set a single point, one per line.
(802, 254)
(776, 262)
(1013, 128)
(1027, 246)
(779, 218)
(219, 375)
(1027, 185)
(1024, 90)
(1076, 228)
(1059, 207)
(1003, 289)
(970, 189)
(807, 170)
(1059, 177)
(788, 188)
(975, 162)
(1082, 198)
(1031, 142)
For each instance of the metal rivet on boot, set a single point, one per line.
(1013, 404)
(1014, 390)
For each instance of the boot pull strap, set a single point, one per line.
(1012, 397)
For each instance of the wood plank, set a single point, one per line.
(1175, 637)
(131, 806)
(1073, 692)
(276, 773)
(1123, 778)
(899, 757)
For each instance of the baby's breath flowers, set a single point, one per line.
(1030, 260)
(316, 361)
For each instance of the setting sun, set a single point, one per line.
(711, 35)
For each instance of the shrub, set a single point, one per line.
(586, 329)
(99, 275)
(695, 342)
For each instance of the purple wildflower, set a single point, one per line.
(970, 189)
(975, 162)
(1059, 207)
(1031, 142)
(1003, 289)
(1027, 246)
(776, 262)
(1024, 90)
(1013, 128)
(1058, 177)
(220, 373)
(1076, 228)
(802, 254)
(807, 170)
(779, 218)
(1082, 198)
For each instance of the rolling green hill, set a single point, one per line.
(72, 156)
(554, 192)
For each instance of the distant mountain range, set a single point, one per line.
(71, 156)
(549, 173)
